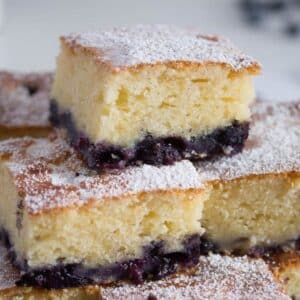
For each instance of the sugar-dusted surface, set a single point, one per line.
(24, 99)
(215, 277)
(151, 44)
(273, 145)
(8, 274)
(49, 175)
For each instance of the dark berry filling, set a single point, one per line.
(151, 150)
(261, 251)
(57, 277)
(31, 87)
(261, 12)
(155, 264)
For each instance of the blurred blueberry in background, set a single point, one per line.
(260, 12)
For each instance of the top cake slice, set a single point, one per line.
(152, 94)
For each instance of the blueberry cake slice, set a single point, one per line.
(254, 204)
(213, 276)
(151, 94)
(24, 104)
(65, 225)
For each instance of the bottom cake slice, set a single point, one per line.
(67, 226)
(254, 204)
(214, 277)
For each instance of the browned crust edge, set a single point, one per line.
(47, 294)
(191, 192)
(283, 261)
(95, 53)
(290, 174)
(22, 131)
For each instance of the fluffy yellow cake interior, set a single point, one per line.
(104, 232)
(255, 210)
(121, 107)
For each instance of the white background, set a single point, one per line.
(30, 30)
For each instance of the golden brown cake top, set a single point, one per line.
(24, 99)
(48, 175)
(215, 277)
(273, 145)
(127, 47)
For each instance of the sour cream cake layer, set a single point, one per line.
(152, 94)
(66, 225)
(254, 204)
(24, 104)
(212, 277)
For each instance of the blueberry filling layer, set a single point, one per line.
(151, 150)
(155, 264)
(259, 251)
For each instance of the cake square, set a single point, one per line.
(66, 225)
(24, 104)
(254, 204)
(151, 94)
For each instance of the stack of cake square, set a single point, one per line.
(156, 180)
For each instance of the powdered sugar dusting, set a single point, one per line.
(49, 175)
(273, 145)
(8, 274)
(24, 99)
(151, 44)
(216, 277)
